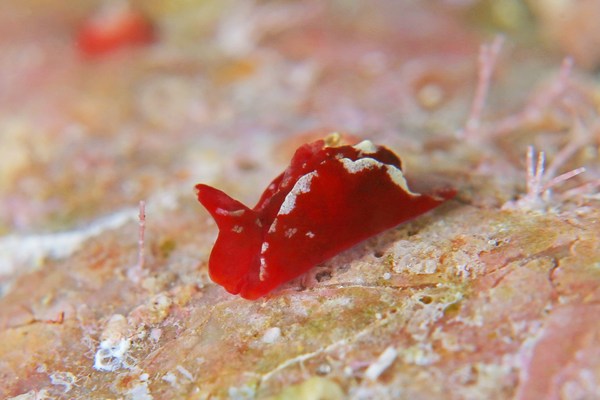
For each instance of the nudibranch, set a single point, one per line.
(327, 200)
(113, 27)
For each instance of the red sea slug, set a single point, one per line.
(326, 201)
(113, 27)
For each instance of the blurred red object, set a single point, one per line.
(112, 28)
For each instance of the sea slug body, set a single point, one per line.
(326, 201)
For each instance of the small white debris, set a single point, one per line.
(430, 266)
(310, 234)
(170, 377)
(383, 362)
(366, 147)
(463, 271)
(302, 186)
(241, 393)
(290, 232)
(387, 276)
(185, 372)
(111, 355)
(323, 369)
(416, 258)
(114, 345)
(237, 229)
(271, 335)
(140, 392)
(65, 379)
(420, 354)
(32, 395)
(155, 334)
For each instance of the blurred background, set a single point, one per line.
(106, 102)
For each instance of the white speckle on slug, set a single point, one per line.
(301, 186)
(273, 227)
(290, 232)
(234, 213)
(362, 164)
(262, 273)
